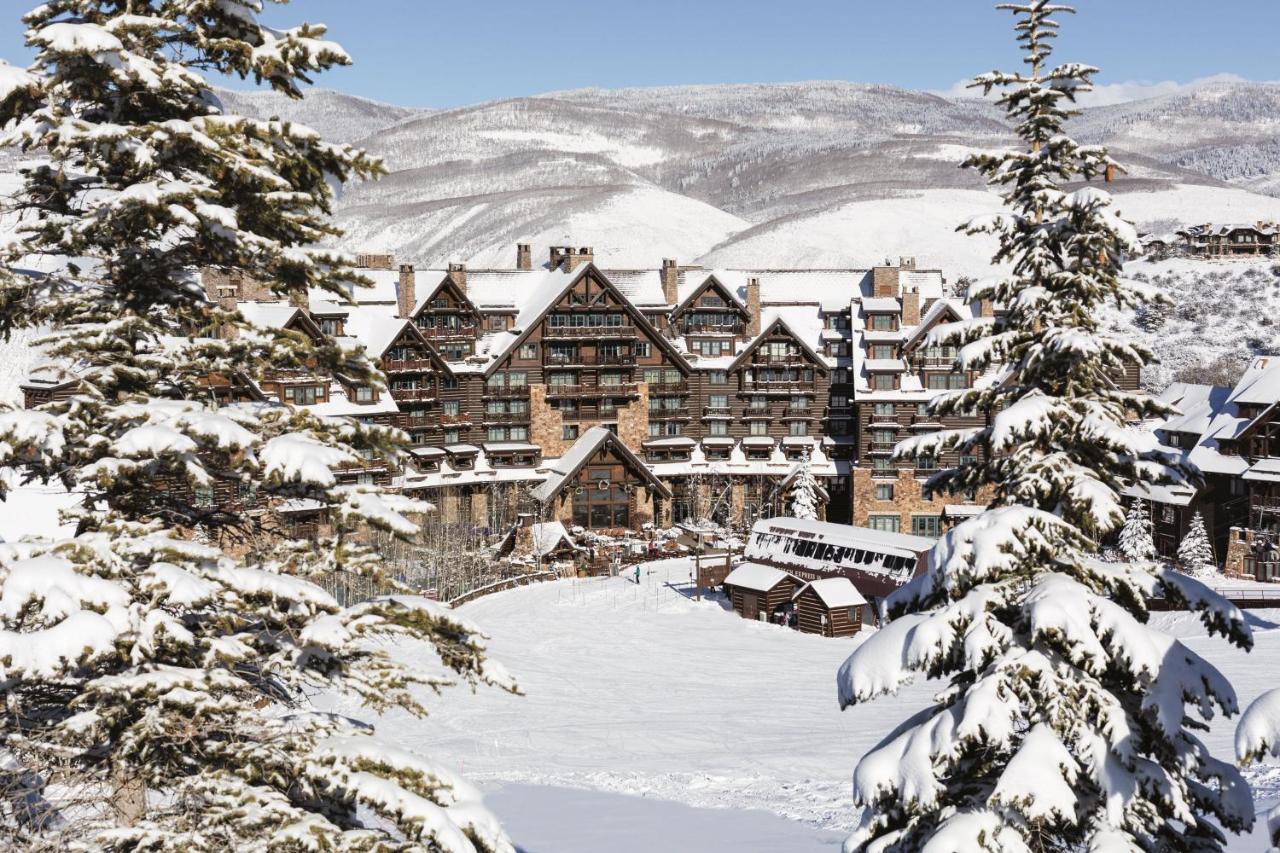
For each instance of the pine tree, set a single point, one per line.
(1136, 542)
(1066, 723)
(804, 492)
(1195, 554)
(1257, 737)
(156, 668)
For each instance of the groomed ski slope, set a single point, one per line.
(640, 691)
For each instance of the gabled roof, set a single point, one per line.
(447, 283)
(778, 323)
(931, 318)
(564, 469)
(552, 289)
(833, 592)
(757, 577)
(711, 282)
(378, 330)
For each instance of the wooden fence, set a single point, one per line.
(1246, 598)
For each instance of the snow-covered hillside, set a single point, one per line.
(639, 690)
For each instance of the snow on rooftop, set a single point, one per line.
(834, 592)
(755, 576)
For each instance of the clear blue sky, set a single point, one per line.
(440, 54)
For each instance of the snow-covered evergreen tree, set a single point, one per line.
(156, 667)
(1136, 542)
(804, 492)
(1066, 723)
(1257, 737)
(1195, 553)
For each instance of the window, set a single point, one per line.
(840, 427)
(330, 326)
(611, 379)
(882, 464)
(884, 410)
(884, 491)
(758, 428)
(883, 436)
(799, 404)
(882, 351)
(883, 381)
(204, 496)
(528, 351)
(759, 404)
(968, 459)
(497, 434)
(718, 401)
(643, 349)
(718, 377)
(364, 394)
(799, 427)
(885, 523)
(840, 401)
(608, 406)
(302, 395)
(925, 525)
(450, 408)
(569, 432)
(449, 383)
(517, 379)
(713, 348)
(926, 463)
(718, 428)
(364, 478)
(947, 381)
(882, 322)
(452, 436)
(567, 408)
(559, 379)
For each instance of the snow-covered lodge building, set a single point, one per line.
(1244, 238)
(610, 398)
(1232, 435)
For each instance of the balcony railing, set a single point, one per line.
(455, 420)
(506, 417)
(413, 393)
(434, 332)
(625, 389)
(588, 360)
(712, 328)
(883, 446)
(405, 364)
(581, 332)
(506, 392)
(681, 387)
(414, 422)
(713, 411)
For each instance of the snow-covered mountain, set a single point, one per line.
(340, 117)
(818, 174)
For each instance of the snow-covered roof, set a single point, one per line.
(881, 305)
(562, 470)
(1260, 384)
(755, 576)
(548, 536)
(268, 315)
(834, 592)
(825, 546)
(375, 327)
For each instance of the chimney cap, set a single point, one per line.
(406, 268)
(456, 266)
(669, 262)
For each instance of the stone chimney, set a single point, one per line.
(884, 281)
(524, 256)
(458, 275)
(406, 291)
(670, 281)
(753, 307)
(911, 307)
(986, 308)
(569, 259)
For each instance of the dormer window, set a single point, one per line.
(711, 300)
(364, 394)
(882, 322)
(302, 395)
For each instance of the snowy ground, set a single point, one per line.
(640, 691)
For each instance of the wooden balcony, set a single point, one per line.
(883, 446)
(505, 392)
(406, 365)
(506, 417)
(434, 333)
(681, 387)
(455, 420)
(625, 389)
(414, 393)
(584, 360)
(588, 332)
(412, 422)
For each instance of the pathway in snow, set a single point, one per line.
(640, 690)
